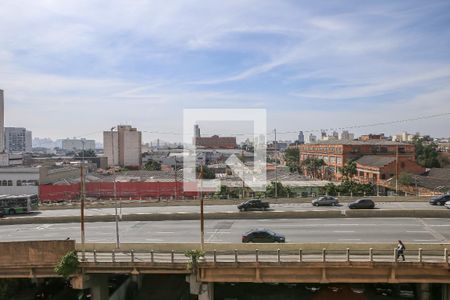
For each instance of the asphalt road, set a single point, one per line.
(221, 208)
(377, 230)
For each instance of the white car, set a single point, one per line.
(447, 204)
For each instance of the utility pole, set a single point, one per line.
(396, 170)
(202, 220)
(82, 198)
(176, 179)
(115, 190)
(276, 168)
(243, 164)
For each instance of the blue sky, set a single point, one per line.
(70, 68)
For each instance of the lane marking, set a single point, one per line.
(425, 240)
(434, 233)
(165, 232)
(349, 239)
(417, 231)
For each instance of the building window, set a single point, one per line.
(402, 165)
(4, 183)
(9, 182)
(19, 183)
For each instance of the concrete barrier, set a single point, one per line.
(33, 252)
(397, 213)
(179, 247)
(316, 214)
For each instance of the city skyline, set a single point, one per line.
(85, 66)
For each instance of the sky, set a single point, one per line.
(76, 68)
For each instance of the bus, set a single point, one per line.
(21, 204)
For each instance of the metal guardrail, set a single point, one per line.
(275, 256)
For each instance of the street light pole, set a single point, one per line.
(115, 190)
(276, 169)
(202, 220)
(82, 198)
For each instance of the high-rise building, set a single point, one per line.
(15, 139)
(196, 131)
(77, 144)
(346, 136)
(301, 138)
(312, 138)
(2, 123)
(123, 146)
(28, 141)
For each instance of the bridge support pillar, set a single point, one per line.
(99, 287)
(204, 290)
(446, 292)
(424, 291)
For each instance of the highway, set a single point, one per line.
(224, 208)
(356, 230)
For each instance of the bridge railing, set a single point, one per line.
(274, 256)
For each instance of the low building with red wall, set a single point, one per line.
(105, 190)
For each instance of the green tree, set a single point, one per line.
(292, 157)
(87, 153)
(207, 173)
(331, 189)
(282, 191)
(426, 153)
(152, 165)
(348, 170)
(405, 179)
(313, 166)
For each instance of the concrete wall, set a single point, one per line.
(261, 247)
(33, 252)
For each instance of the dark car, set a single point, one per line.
(254, 204)
(362, 204)
(440, 200)
(262, 236)
(326, 200)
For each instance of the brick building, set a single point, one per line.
(216, 142)
(374, 158)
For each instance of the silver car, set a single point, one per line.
(325, 201)
(447, 204)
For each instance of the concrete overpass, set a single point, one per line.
(263, 263)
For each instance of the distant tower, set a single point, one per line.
(196, 131)
(323, 134)
(2, 123)
(312, 138)
(301, 138)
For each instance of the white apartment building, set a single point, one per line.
(17, 139)
(123, 146)
(78, 144)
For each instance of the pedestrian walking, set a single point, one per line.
(400, 250)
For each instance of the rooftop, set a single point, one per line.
(354, 142)
(375, 160)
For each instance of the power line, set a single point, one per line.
(270, 133)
